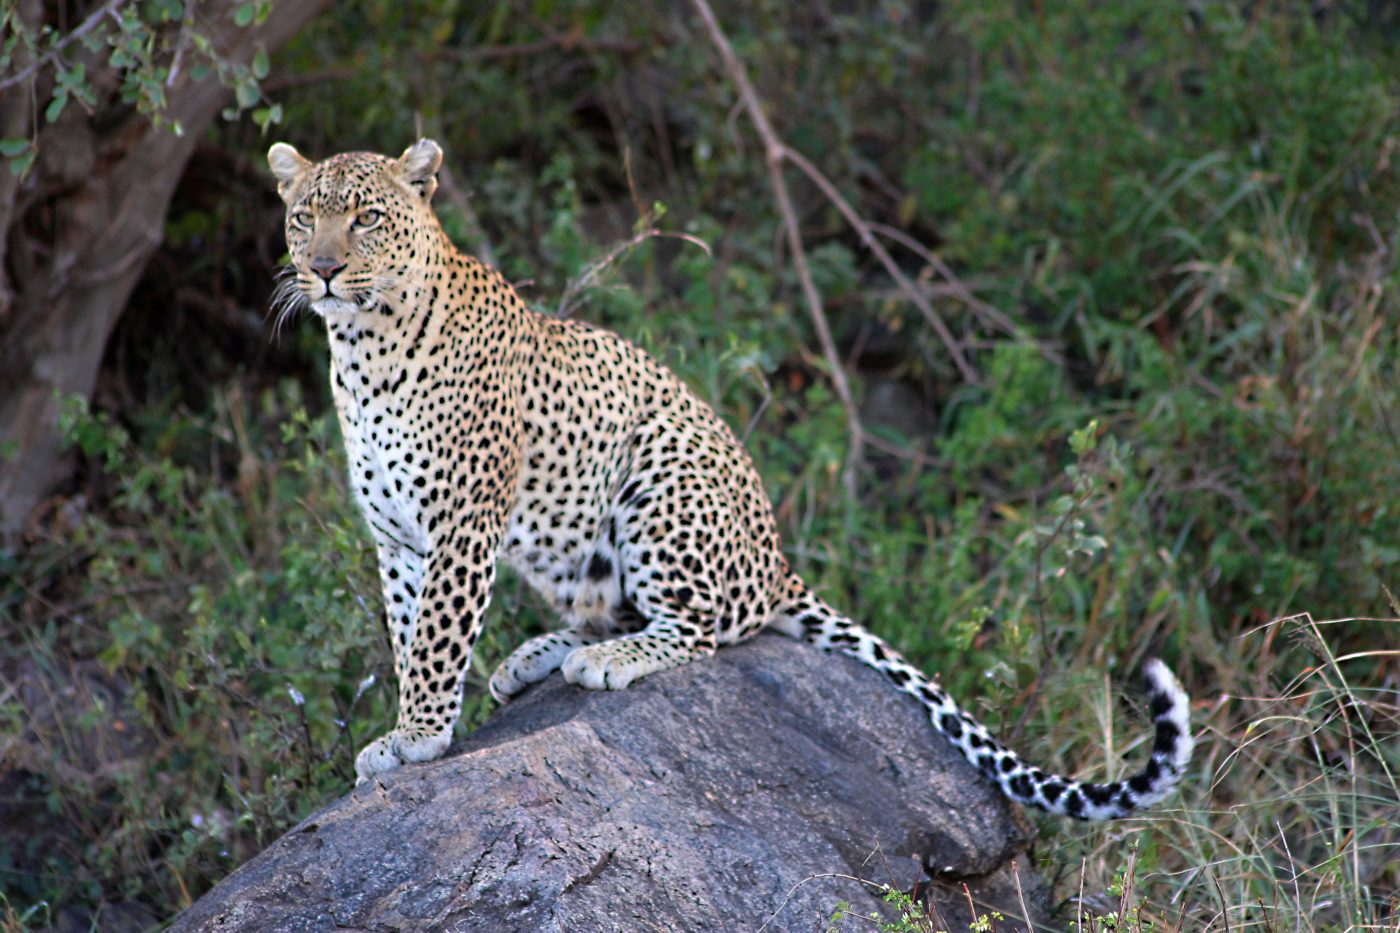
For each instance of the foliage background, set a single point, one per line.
(1179, 223)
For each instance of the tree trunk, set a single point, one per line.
(76, 235)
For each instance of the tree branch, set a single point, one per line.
(956, 287)
(867, 238)
(775, 152)
(52, 55)
(576, 287)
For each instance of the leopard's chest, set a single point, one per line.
(388, 457)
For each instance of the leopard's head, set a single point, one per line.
(359, 226)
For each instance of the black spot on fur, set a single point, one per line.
(1020, 785)
(1099, 794)
(599, 568)
(1167, 734)
(1143, 781)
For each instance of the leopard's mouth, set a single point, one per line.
(333, 299)
(333, 305)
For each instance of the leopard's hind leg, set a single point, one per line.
(686, 560)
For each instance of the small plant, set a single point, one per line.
(146, 46)
(239, 656)
(34, 917)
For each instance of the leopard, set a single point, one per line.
(481, 432)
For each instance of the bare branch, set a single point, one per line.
(867, 238)
(576, 287)
(52, 55)
(775, 152)
(956, 287)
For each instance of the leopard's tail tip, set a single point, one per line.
(1171, 712)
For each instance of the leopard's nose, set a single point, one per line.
(326, 267)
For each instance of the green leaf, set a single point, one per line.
(1085, 439)
(72, 77)
(20, 164)
(94, 41)
(247, 94)
(243, 16)
(13, 146)
(55, 107)
(260, 65)
(265, 117)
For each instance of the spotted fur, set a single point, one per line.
(478, 431)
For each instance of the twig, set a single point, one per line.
(971, 907)
(569, 301)
(53, 54)
(830, 874)
(956, 287)
(1224, 905)
(867, 238)
(775, 152)
(904, 453)
(1020, 894)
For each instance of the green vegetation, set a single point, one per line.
(1180, 226)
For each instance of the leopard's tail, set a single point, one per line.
(804, 616)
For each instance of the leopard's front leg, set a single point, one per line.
(400, 577)
(432, 663)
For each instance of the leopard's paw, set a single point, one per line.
(398, 747)
(532, 662)
(607, 666)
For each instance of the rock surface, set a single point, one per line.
(736, 793)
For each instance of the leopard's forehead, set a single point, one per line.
(345, 181)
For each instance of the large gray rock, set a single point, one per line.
(752, 788)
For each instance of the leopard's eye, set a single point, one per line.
(303, 219)
(368, 220)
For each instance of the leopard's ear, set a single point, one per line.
(419, 164)
(287, 165)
